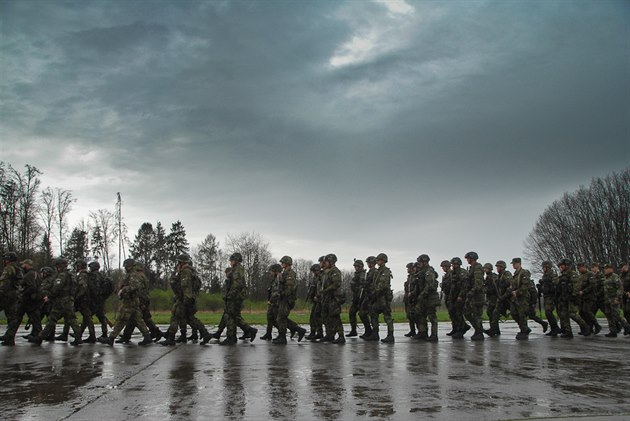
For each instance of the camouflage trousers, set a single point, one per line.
(62, 308)
(352, 313)
(382, 306)
(282, 319)
(365, 307)
(315, 318)
(626, 308)
(8, 304)
(457, 310)
(129, 310)
(550, 305)
(422, 313)
(331, 316)
(34, 317)
(473, 311)
(98, 310)
(183, 314)
(614, 318)
(568, 310)
(233, 318)
(501, 309)
(587, 309)
(520, 310)
(83, 307)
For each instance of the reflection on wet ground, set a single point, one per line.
(497, 379)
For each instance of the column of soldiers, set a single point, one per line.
(56, 293)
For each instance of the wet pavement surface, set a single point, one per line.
(500, 378)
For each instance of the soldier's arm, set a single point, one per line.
(186, 284)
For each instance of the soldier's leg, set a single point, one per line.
(337, 324)
(364, 315)
(36, 321)
(432, 316)
(13, 325)
(575, 315)
(553, 322)
(565, 320)
(352, 315)
(270, 322)
(86, 314)
(281, 321)
(100, 315)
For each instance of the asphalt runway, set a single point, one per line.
(500, 378)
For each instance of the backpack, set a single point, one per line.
(195, 282)
(106, 287)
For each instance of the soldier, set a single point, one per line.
(548, 286)
(47, 275)
(534, 298)
(600, 301)
(567, 308)
(411, 274)
(185, 284)
(520, 297)
(82, 303)
(382, 298)
(285, 295)
(145, 310)
(234, 296)
(474, 296)
(458, 297)
(355, 287)
(332, 299)
(272, 301)
(29, 302)
(445, 291)
(587, 296)
(101, 287)
(129, 292)
(314, 290)
(427, 299)
(9, 281)
(365, 309)
(492, 294)
(612, 294)
(61, 293)
(504, 297)
(624, 277)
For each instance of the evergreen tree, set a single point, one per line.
(77, 245)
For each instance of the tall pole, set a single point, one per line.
(119, 216)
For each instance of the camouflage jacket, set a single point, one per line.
(47, 284)
(29, 287)
(83, 287)
(131, 286)
(587, 286)
(382, 281)
(287, 286)
(504, 286)
(356, 284)
(567, 283)
(612, 288)
(235, 284)
(458, 283)
(368, 282)
(521, 284)
(63, 286)
(549, 283)
(10, 279)
(331, 281)
(429, 283)
(182, 284)
(445, 286)
(490, 286)
(474, 286)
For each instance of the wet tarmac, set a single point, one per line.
(500, 378)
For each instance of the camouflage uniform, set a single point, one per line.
(332, 299)
(82, 303)
(459, 277)
(145, 308)
(100, 291)
(234, 298)
(612, 294)
(185, 304)
(587, 293)
(548, 285)
(365, 307)
(29, 302)
(382, 300)
(520, 300)
(129, 292)
(407, 300)
(285, 295)
(314, 319)
(61, 294)
(445, 288)
(474, 299)
(48, 278)
(567, 302)
(600, 302)
(492, 294)
(624, 277)
(427, 300)
(9, 281)
(504, 296)
(355, 288)
(533, 303)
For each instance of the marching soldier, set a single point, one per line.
(548, 286)
(355, 287)
(381, 300)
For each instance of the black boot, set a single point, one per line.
(62, 337)
(107, 341)
(477, 336)
(146, 340)
(252, 334)
(389, 339)
(353, 332)
(169, 340)
(301, 332)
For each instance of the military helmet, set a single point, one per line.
(286, 260)
(580, 264)
(547, 264)
(456, 261)
(10, 256)
(358, 262)
(410, 265)
(80, 264)
(488, 266)
(330, 258)
(321, 259)
(275, 268)
(94, 265)
(184, 258)
(371, 259)
(128, 263)
(565, 262)
(471, 255)
(515, 260)
(382, 256)
(316, 268)
(423, 258)
(60, 261)
(501, 264)
(445, 263)
(236, 256)
(46, 269)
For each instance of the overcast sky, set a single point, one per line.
(351, 127)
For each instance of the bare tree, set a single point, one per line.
(47, 211)
(104, 232)
(28, 229)
(591, 224)
(207, 261)
(9, 206)
(256, 260)
(63, 206)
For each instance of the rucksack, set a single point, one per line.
(106, 286)
(195, 282)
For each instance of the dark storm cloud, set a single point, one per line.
(393, 127)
